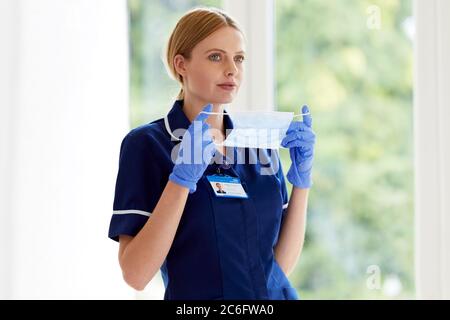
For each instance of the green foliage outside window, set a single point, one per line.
(357, 81)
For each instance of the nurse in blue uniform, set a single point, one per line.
(167, 214)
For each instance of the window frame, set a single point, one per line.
(256, 17)
(432, 151)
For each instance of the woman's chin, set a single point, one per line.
(225, 99)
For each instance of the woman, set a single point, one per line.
(166, 213)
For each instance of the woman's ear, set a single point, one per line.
(179, 63)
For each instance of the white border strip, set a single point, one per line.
(143, 213)
(432, 150)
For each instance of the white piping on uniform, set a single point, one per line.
(143, 213)
(166, 123)
(285, 205)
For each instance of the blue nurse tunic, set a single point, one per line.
(223, 247)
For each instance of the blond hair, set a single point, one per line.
(196, 25)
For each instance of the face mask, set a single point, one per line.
(257, 129)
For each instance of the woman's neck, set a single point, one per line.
(192, 108)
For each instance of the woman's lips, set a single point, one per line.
(227, 87)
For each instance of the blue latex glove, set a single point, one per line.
(300, 139)
(195, 154)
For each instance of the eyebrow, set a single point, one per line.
(215, 49)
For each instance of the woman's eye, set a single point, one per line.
(214, 57)
(240, 59)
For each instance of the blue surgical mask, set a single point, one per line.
(258, 129)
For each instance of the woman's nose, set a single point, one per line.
(231, 69)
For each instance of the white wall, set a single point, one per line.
(63, 113)
(432, 148)
(8, 51)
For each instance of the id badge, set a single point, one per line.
(227, 187)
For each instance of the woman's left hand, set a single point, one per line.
(300, 139)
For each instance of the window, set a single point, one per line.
(352, 62)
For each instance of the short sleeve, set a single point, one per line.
(138, 187)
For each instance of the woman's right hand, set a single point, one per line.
(195, 154)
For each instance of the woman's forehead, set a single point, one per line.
(227, 39)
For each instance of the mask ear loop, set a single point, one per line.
(302, 114)
(213, 113)
(219, 113)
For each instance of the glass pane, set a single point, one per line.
(152, 91)
(352, 62)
